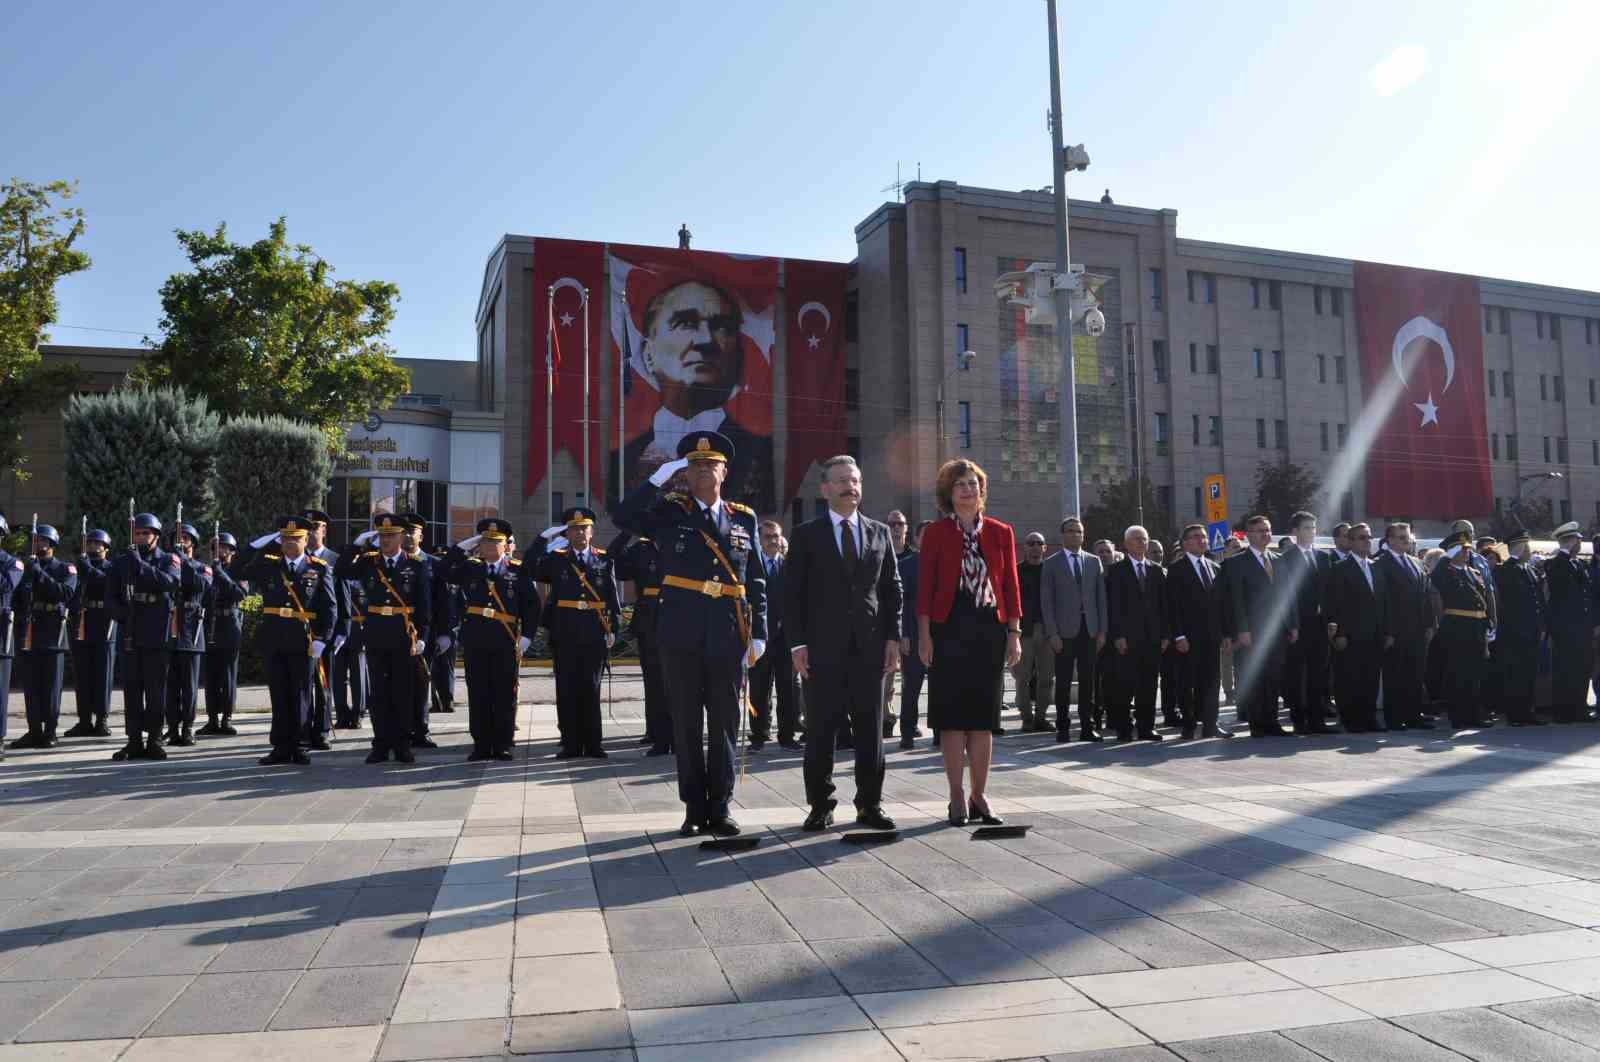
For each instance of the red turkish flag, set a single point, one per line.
(1422, 352)
(814, 301)
(567, 266)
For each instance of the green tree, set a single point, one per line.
(37, 237)
(266, 466)
(1537, 515)
(1117, 509)
(264, 329)
(155, 446)
(1283, 489)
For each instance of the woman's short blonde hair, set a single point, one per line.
(945, 486)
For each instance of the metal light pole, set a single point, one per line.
(1070, 499)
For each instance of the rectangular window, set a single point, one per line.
(1491, 383)
(1341, 436)
(1594, 451)
(1280, 434)
(1158, 359)
(1547, 449)
(1261, 369)
(1591, 390)
(1189, 283)
(1589, 324)
(1488, 320)
(961, 269)
(1261, 434)
(1323, 433)
(1337, 301)
(1544, 388)
(1255, 294)
(1511, 446)
(1505, 322)
(966, 425)
(1566, 509)
(1316, 298)
(1157, 298)
(1538, 324)
(1561, 450)
(1494, 446)
(1505, 384)
(1214, 432)
(1555, 328)
(1275, 294)
(963, 338)
(1211, 287)
(1322, 368)
(1558, 386)
(1213, 360)
(1162, 440)
(1197, 504)
(852, 316)
(1277, 364)
(1194, 363)
(1195, 419)
(1338, 368)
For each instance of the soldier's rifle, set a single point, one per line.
(27, 631)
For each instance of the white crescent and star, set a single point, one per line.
(566, 319)
(1420, 327)
(814, 341)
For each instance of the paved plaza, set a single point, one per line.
(1359, 899)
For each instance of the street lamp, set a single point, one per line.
(1523, 490)
(963, 363)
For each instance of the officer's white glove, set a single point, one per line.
(441, 644)
(416, 648)
(1489, 637)
(338, 643)
(611, 639)
(317, 648)
(366, 537)
(263, 540)
(559, 542)
(467, 545)
(757, 649)
(668, 470)
(522, 645)
(551, 532)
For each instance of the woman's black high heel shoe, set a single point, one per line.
(956, 818)
(982, 814)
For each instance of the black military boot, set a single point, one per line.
(153, 749)
(133, 750)
(100, 728)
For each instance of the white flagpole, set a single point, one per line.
(587, 497)
(550, 406)
(622, 413)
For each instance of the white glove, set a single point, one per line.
(263, 540)
(559, 542)
(317, 647)
(758, 648)
(551, 532)
(416, 648)
(467, 545)
(366, 537)
(522, 645)
(338, 643)
(1489, 637)
(611, 639)
(668, 470)
(441, 644)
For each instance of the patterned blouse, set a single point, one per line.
(974, 571)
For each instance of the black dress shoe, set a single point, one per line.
(873, 818)
(791, 744)
(377, 757)
(424, 743)
(504, 756)
(821, 818)
(1150, 735)
(300, 759)
(691, 828)
(154, 751)
(1125, 735)
(1062, 739)
(405, 757)
(477, 754)
(658, 750)
(981, 814)
(26, 741)
(133, 750)
(566, 754)
(320, 744)
(908, 743)
(210, 728)
(273, 759)
(597, 754)
(101, 730)
(723, 825)
(1089, 735)
(227, 730)
(80, 730)
(757, 746)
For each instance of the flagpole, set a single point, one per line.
(550, 407)
(622, 394)
(588, 498)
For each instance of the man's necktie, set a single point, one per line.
(1138, 569)
(1205, 575)
(1266, 564)
(847, 545)
(1077, 571)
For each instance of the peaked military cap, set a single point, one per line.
(706, 446)
(316, 516)
(1519, 537)
(578, 516)
(388, 523)
(147, 522)
(1463, 526)
(97, 534)
(494, 529)
(48, 533)
(293, 525)
(1569, 529)
(413, 519)
(1456, 538)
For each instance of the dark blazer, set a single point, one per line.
(1522, 610)
(1568, 580)
(1193, 611)
(1308, 583)
(941, 559)
(776, 582)
(828, 608)
(1252, 597)
(1362, 613)
(1406, 584)
(1137, 613)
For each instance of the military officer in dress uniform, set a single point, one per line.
(350, 664)
(639, 563)
(320, 724)
(143, 582)
(442, 698)
(712, 619)
(501, 604)
(398, 589)
(43, 601)
(11, 569)
(298, 612)
(224, 635)
(581, 612)
(186, 641)
(1463, 630)
(1570, 626)
(94, 636)
(1515, 654)
(440, 624)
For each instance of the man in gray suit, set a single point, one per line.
(1072, 604)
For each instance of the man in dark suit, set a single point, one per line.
(1570, 626)
(1194, 622)
(843, 614)
(1258, 621)
(1136, 615)
(1411, 625)
(1304, 570)
(774, 672)
(1358, 623)
(1515, 652)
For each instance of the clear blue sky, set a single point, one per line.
(401, 140)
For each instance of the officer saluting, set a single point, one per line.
(711, 619)
(581, 613)
(48, 584)
(143, 581)
(224, 635)
(398, 589)
(297, 618)
(1463, 628)
(94, 636)
(186, 637)
(502, 602)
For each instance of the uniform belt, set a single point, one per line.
(147, 599)
(289, 613)
(651, 591)
(1466, 613)
(357, 619)
(93, 604)
(582, 605)
(389, 610)
(489, 613)
(708, 587)
(43, 606)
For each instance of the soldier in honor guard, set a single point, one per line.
(143, 582)
(1464, 626)
(712, 619)
(320, 724)
(581, 612)
(440, 623)
(298, 612)
(186, 641)
(224, 636)
(1515, 653)
(398, 591)
(11, 569)
(94, 637)
(43, 601)
(501, 606)
(639, 562)
(1571, 626)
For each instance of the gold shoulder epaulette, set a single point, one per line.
(272, 556)
(515, 563)
(563, 549)
(316, 560)
(599, 552)
(738, 508)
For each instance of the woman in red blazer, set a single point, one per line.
(969, 620)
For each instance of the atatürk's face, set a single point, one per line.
(693, 340)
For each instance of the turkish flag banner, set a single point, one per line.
(814, 307)
(562, 269)
(1422, 360)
